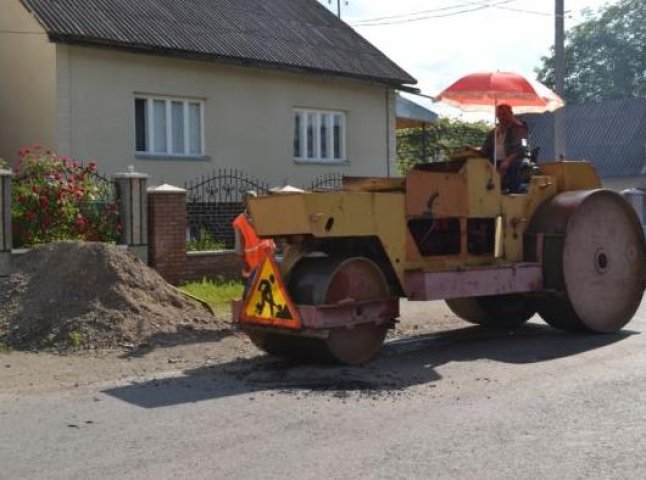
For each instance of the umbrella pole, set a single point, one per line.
(490, 184)
(495, 135)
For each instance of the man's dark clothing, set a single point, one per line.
(514, 136)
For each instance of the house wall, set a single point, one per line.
(248, 116)
(27, 82)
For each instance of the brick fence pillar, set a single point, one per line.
(167, 231)
(133, 211)
(6, 241)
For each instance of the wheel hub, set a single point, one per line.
(601, 261)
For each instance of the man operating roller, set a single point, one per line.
(506, 146)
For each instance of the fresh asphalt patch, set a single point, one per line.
(403, 364)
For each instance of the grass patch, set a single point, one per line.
(76, 339)
(217, 293)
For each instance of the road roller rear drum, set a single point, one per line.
(330, 281)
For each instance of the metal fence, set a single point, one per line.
(106, 185)
(214, 201)
(434, 142)
(329, 182)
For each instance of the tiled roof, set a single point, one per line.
(611, 135)
(286, 34)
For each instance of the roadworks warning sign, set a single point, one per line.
(267, 301)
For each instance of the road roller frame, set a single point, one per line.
(446, 231)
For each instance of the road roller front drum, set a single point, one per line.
(594, 259)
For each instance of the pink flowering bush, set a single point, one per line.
(56, 199)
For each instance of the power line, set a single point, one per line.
(567, 14)
(480, 6)
(433, 10)
(532, 12)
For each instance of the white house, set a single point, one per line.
(281, 89)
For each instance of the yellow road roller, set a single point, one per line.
(565, 248)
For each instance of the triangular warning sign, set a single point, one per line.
(267, 302)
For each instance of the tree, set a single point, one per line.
(604, 55)
(417, 145)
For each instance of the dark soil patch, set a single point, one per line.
(92, 295)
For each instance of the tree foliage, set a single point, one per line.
(436, 140)
(604, 55)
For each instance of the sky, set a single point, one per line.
(438, 41)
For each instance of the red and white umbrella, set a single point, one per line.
(481, 92)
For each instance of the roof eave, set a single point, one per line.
(396, 83)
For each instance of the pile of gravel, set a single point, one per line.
(91, 295)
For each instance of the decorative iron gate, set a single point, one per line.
(107, 186)
(107, 205)
(214, 201)
(329, 182)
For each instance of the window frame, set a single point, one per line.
(303, 138)
(149, 125)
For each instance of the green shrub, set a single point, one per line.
(55, 199)
(205, 242)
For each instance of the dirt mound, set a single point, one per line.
(83, 294)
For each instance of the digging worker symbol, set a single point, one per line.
(265, 287)
(266, 295)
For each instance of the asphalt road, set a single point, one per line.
(462, 403)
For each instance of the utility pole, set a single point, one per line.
(559, 78)
(338, 6)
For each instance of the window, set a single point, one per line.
(169, 126)
(319, 136)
